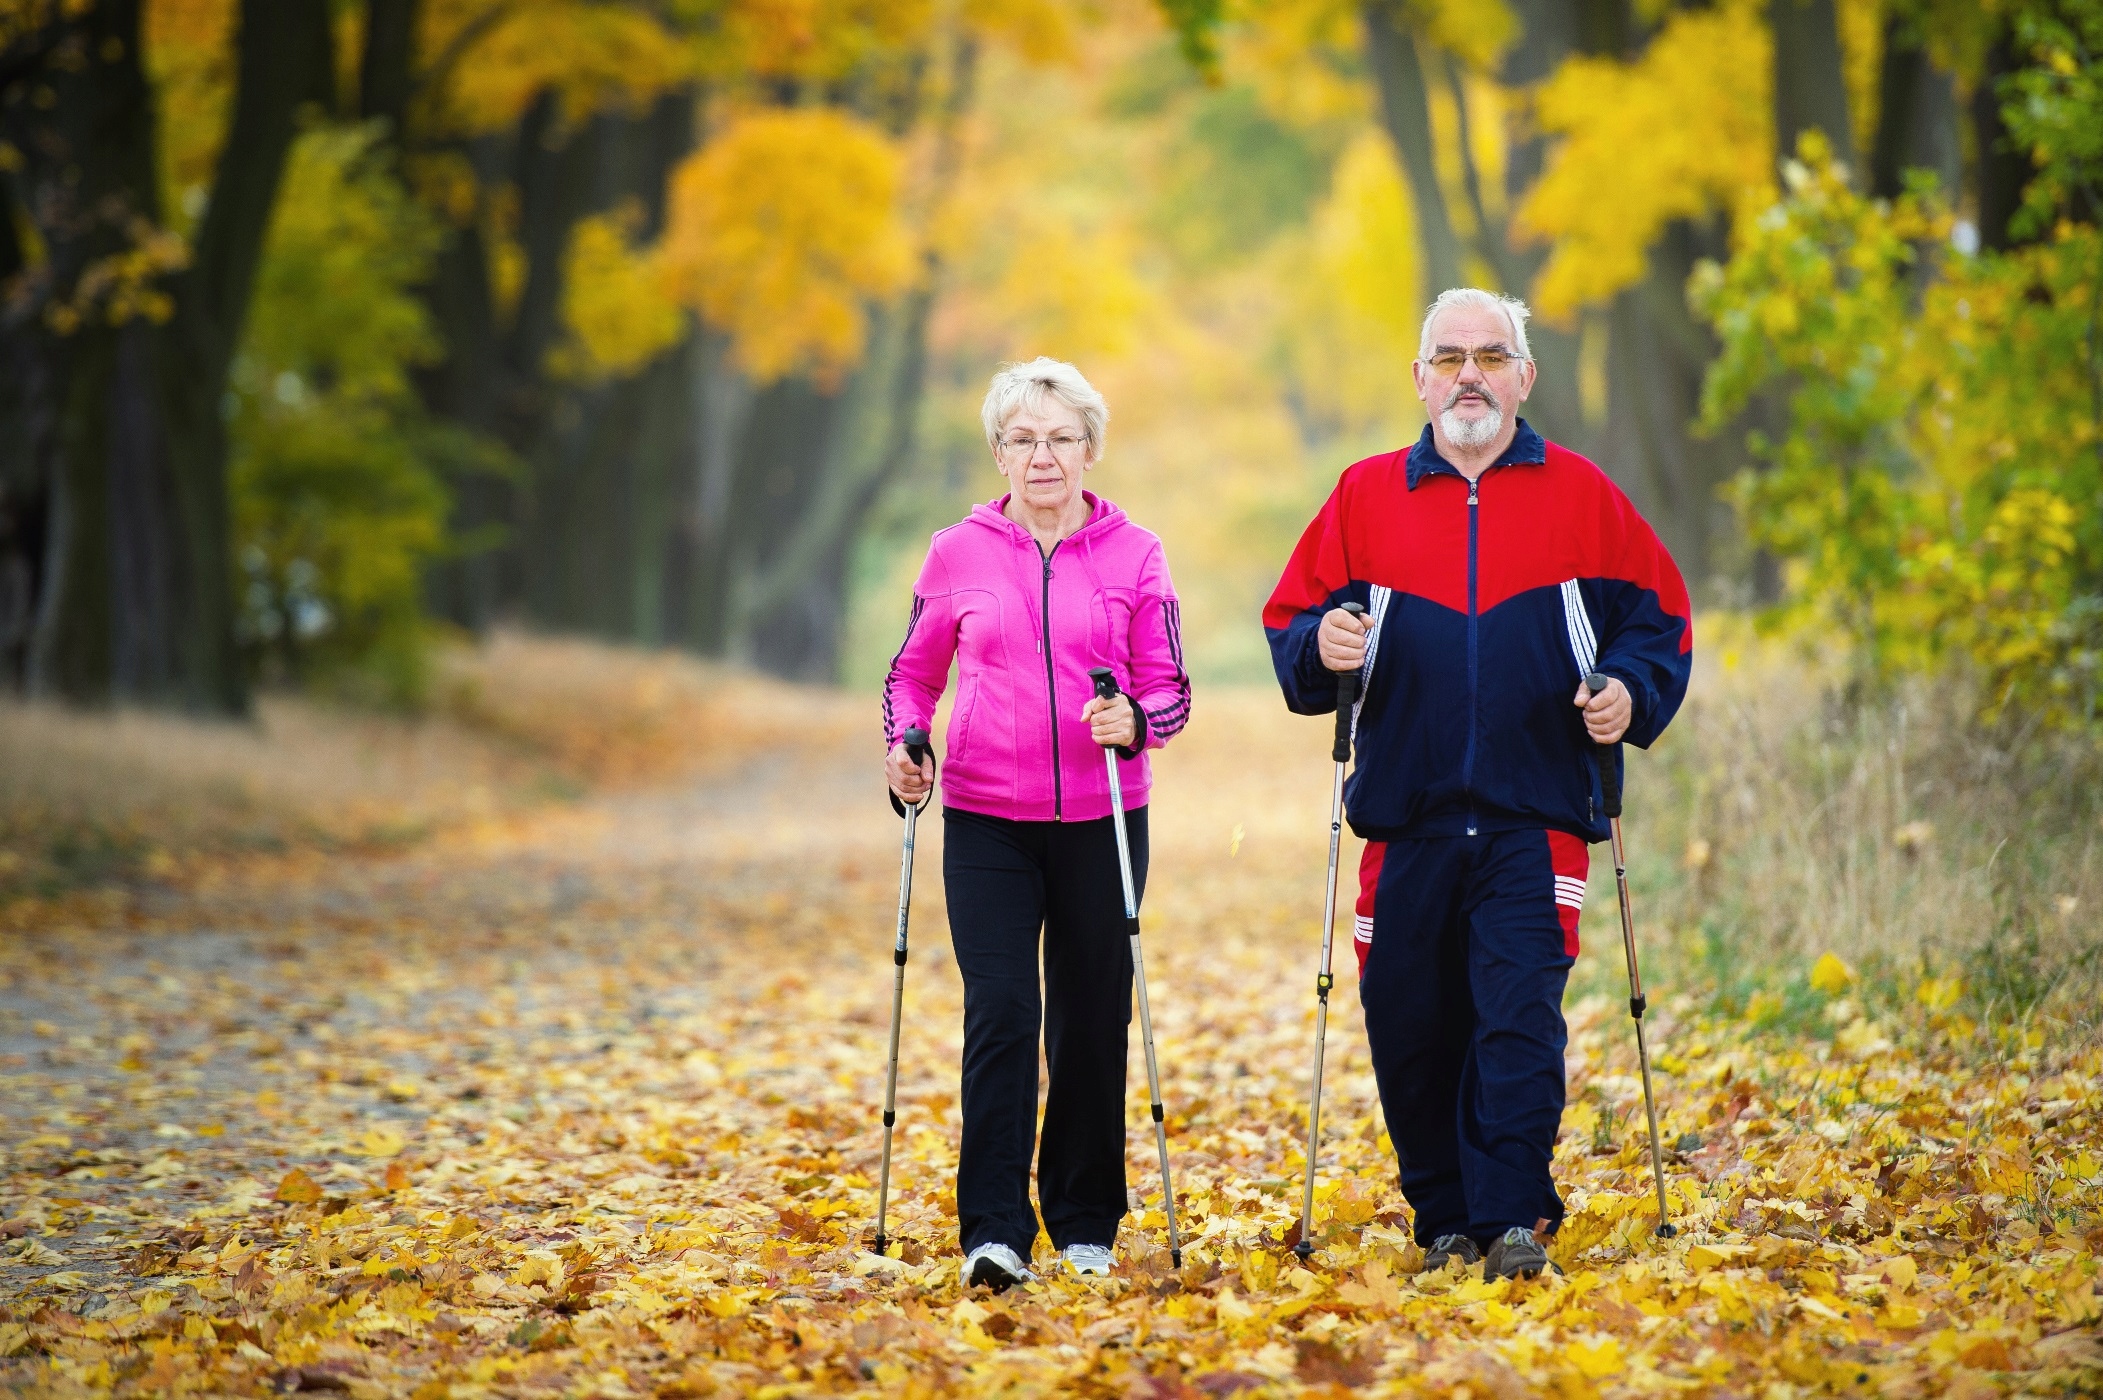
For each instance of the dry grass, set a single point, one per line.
(102, 807)
(1777, 823)
(619, 717)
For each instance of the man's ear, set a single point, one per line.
(1528, 371)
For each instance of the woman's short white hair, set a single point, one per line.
(1026, 384)
(1514, 311)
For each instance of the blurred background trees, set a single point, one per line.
(331, 327)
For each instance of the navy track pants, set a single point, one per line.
(1464, 946)
(1006, 882)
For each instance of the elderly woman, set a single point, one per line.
(1026, 594)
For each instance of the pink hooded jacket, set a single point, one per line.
(1017, 746)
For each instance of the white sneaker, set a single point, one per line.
(1089, 1260)
(995, 1266)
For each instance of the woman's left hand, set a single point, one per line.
(1111, 722)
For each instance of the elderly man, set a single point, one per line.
(1496, 570)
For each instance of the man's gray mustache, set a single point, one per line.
(1489, 399)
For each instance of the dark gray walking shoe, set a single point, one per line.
(1516, 1254)
(1447, 1247)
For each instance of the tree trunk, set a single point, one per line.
(1916, 115)
(386, 71)
(285, 62)
(462, 387)
(121, 418)
(2003, 169)
(1661, 354)
(723, 400)
(1550, 34)
(1405, 107)
(782, 461)
(1810, 91)
(76, 109)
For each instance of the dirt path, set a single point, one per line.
(585, 1105)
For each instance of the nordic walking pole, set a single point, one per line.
(915, 749)
(1106, 689)
(1346, 699)
(1606, 757)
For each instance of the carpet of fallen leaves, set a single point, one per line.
(586, 1104)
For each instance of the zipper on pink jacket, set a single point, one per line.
(1051, 688)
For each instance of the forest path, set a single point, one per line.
(583, 1101)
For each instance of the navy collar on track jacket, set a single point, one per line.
(1488, 605)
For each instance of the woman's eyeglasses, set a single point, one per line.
(1064, 446)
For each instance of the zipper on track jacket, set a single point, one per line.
(1467, 765)
(1051, 690)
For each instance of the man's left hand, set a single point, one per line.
(1606, 714)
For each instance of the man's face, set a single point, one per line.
(1472, 405)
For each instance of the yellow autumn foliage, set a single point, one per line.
(1071, 292)
(503, 58)
(1354, 322)
(187, 52)
(1475, 31)
(1683, 132)
(822, 40)
(613, 301)
(1042, 31)
(1830, 975)
(781, 231)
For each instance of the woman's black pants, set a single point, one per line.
(1006, 880)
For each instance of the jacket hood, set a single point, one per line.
(1103, 517)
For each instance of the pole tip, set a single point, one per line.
(1175, 1257)
(1666, 1229)
(881, 1243)
(1304, 1250)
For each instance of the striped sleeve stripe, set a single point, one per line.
(1170, 719)
(1381, 596)
(1570, 890)
(1364, 930)
(1584, 643)
(890, 715)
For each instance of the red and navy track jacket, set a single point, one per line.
(1488, 604)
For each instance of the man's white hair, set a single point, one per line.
(1026, 384)
(1513, 309)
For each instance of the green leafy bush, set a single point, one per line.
(338, 477)
(1933, 489)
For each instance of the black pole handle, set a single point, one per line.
(1346, 698)
(1607, 757)
(918, 750)
(1105, 682)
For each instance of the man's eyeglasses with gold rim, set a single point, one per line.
(1489, 358)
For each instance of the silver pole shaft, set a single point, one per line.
(1321, 1011)
(1636, 1005)
(905, 902)
(1146, 1018)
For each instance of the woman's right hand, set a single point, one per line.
(908, 780)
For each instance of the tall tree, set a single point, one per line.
(1917, 116)
(1810, 90)
(2001, 168)
(133, 335)
(1405, 107)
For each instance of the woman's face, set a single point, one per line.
(1046, 476)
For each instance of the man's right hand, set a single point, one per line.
(908, 780)
(1341, 640)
